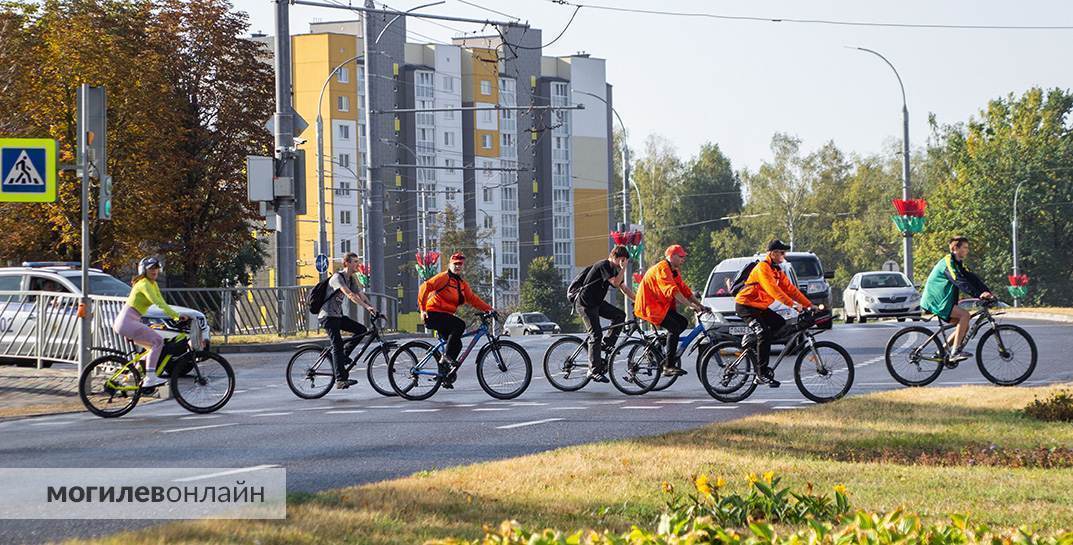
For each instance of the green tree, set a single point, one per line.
(542, 291)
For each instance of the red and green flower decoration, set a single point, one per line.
(910, 218)
(1018, 285)
(637, 277)
(632, 240)
(426, 264)
(363, 274)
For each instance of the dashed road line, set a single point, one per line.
(717, 407)
(420, 410)
(568, 408)
(53, 423)
(235, 471)
(200, 417)
(272, 414)
(210, 426)
(523, 424)
(479, 409)
(641, 407)
(345, 412)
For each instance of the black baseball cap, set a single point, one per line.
(777, 245)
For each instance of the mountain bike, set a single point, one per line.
(1006, 354)
(636, 366)
(311, 375)
(200, 381)
(823, 370)
(503, 367)
(566, 362)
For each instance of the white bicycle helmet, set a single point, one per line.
(148, 263)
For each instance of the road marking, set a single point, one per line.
(723, 407)
(528, 404)
(241, 391)
(677, 401)
(224, 473)
(246, 410)
(200, 417)
(272, 386)
(568, 408)
(465, 405)
(492, 409)
(523, 424)
(609, 402)
(755, 401)
(344, 412)
(305, 409)
(420, 410)
(272, 414)
(383, 407)
(53, 423)
(641, 407)
(200, 427)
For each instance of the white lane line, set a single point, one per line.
(344, 412)
(272, 386)
(528, 404)
(224, 473)
(677, 401)
(246, 410)
(384, 407)
(568, 408)
(305, 409)
(717, 407)
(241, 391)
(420, 410)
(54, 423)
(200, 417)
(523, 424)
(463, 405)
(499, 402)
(610, 402)
(273, 414)
(641, 407)
(755, 401)
(492, 409)
(176, 430)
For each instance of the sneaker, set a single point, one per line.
(598, 374)
(767, 376)
(449, 381)
(673, 371)
(152, 381)
(608, 348)
(344, 383)
(960, 356)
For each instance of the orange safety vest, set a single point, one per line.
(767, 284)
(445, 293)
(655, 295)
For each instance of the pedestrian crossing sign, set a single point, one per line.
(28, 170)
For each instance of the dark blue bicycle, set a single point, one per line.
(636, 366)
(503, 367)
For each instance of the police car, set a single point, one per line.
(62, 278)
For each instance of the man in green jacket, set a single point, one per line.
(949, 277)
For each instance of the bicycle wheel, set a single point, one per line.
(727, 372)
(109, 387)
(566, 364)
(823, 371)
(209, 384)
(911, 360)
(1010, 355)
(310, 374)
(414, 371)
(504, 369)
(376, 365)
(634, 368)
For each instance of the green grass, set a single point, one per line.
(615, 484)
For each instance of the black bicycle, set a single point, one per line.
(823, 370)
(566, 362)
(636, 366)
(310, 373)
(1005, 354)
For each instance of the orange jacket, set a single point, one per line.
(440, 294)
(768, 283)
(655, 295)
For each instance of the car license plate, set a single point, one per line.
(739, 330)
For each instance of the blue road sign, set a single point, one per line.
(27, 170)
(322, 263)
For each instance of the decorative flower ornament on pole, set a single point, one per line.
(426, 264)
(632, 240)
(910, 218)
(363, 274)
(1018, 285)
(637, 277)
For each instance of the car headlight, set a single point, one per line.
(712, 319)
(815, 287)
(869, 298)
(914, 297)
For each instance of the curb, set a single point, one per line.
(288, 346)
(1040, 316)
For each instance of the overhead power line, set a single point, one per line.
(830, 22)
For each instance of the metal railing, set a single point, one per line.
(253, 311)
(43, 327)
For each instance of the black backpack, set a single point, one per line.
(742, 277)
(578, 284)
(318, 295)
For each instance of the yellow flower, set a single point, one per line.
(841, 489)
(720, 482)
(701, 482)
(753, 478)
(769, 476)
(668, 487)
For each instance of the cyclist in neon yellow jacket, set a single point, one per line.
(947, 280)
(128, 323)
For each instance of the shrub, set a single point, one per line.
(1057, 407)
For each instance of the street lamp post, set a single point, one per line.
(492, 275)
(321, 205)
(908, 236)
(625, 181)
(1016, 192)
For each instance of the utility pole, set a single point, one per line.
(374, 195)
(286, 258)
(84, 333)
(324, 246)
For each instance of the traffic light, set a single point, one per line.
(95, 156)
(104, 200)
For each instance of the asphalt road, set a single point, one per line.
(355, 436)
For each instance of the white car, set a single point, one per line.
(529, 323)
(65, 278)
(717, 296)
(880, 294)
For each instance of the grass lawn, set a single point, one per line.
(614, 484)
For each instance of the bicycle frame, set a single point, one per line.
(979, 318)
(629, 328)
(370, 336)
(684, 342)
(441, 347)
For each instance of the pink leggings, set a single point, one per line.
(129, 324)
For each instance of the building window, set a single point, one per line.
(509, 228)
(506, 140)
(344, 160)
(487, 194)
(344, 246)
(486, 115)
(486, 87)
(344, 132)
(450, 164)
(448, 83)
(344, 104)
(361, 130)
(510, 198)
(488, 224)
(486, 141)
(344, 75)
(344, 217)
(449, 114)
(449, 139)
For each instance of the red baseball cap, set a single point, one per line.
(675, 249)
(458, 258)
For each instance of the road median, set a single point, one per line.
(877, 446)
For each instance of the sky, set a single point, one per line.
(736, 83)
